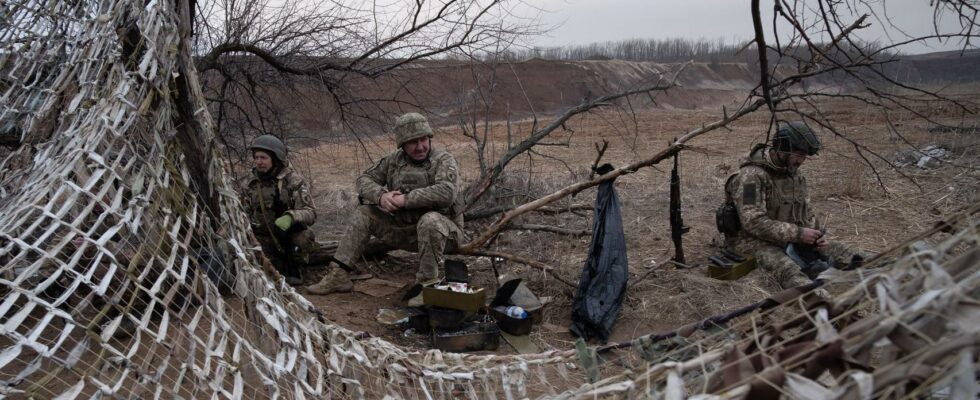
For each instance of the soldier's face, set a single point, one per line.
(793, 160)
(417, 149)
(261, 161)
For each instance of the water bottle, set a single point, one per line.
(512, 311)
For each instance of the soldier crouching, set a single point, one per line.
(408, 202)
(767, 212)
(281, 209)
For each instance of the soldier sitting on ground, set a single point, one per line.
(408, 202)
(769, 214)
(280, 208)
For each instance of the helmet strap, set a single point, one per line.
(779, 158)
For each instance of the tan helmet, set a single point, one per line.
(272, 145)
(411, 126)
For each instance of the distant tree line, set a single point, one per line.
(672, 50)
(659, 50)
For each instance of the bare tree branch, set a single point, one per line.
(478, 188)
(599, 152)
(548, 228)
(760, 44)
(526, 261)
(675, 147)
(489, 212)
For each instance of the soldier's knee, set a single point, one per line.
(363, 211)
(363, 216)
(431, 223)
(304, 238)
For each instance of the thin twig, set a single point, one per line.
(600, 151)
(526, 261)
(549, 228)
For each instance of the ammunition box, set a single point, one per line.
(511, 325)
(471, 302)
(733, 271)
(478, 335)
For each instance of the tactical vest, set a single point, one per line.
(410, 176)
(785, 196)
(270, 200)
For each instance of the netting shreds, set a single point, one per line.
(128, 269)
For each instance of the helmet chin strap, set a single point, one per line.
(781, 160)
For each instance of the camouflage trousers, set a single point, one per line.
(431, 237)
(288, 252)
(781, 268)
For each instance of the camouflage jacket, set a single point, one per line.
(269, 199)
(773, 204)
(432, 185)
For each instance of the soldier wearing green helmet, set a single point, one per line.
(408, 201)
(281, 208)
(767, 212)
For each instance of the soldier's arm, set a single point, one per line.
(371, 184)
(303, 210)
(810, 218)
(442, 193)
(750, 200)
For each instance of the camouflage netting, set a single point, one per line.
(128, 269)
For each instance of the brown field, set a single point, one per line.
(874, 211)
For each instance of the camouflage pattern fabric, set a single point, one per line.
(431, 222)
(431, 238)
(774, 206)
(301, 244)
(271, 198)
(782, 269)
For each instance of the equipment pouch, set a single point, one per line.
(726, 219)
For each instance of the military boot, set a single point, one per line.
(335, 281)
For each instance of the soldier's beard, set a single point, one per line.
(782, 161)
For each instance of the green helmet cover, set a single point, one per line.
(411, 126)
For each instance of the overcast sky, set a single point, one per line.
(588, 21)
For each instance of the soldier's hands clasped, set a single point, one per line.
(392, 201)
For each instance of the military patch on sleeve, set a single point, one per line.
(749, 193)
(448, 173)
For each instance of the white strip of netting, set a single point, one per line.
(117, 232)
(907, 329)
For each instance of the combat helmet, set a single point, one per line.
(272, 145)
(796, 135)
(411, 126)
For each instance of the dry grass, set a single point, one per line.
(844, 189)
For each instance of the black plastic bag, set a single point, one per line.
(602, 286)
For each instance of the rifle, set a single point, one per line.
(677, 228)
(341, 264)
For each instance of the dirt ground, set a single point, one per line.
(866, 203)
